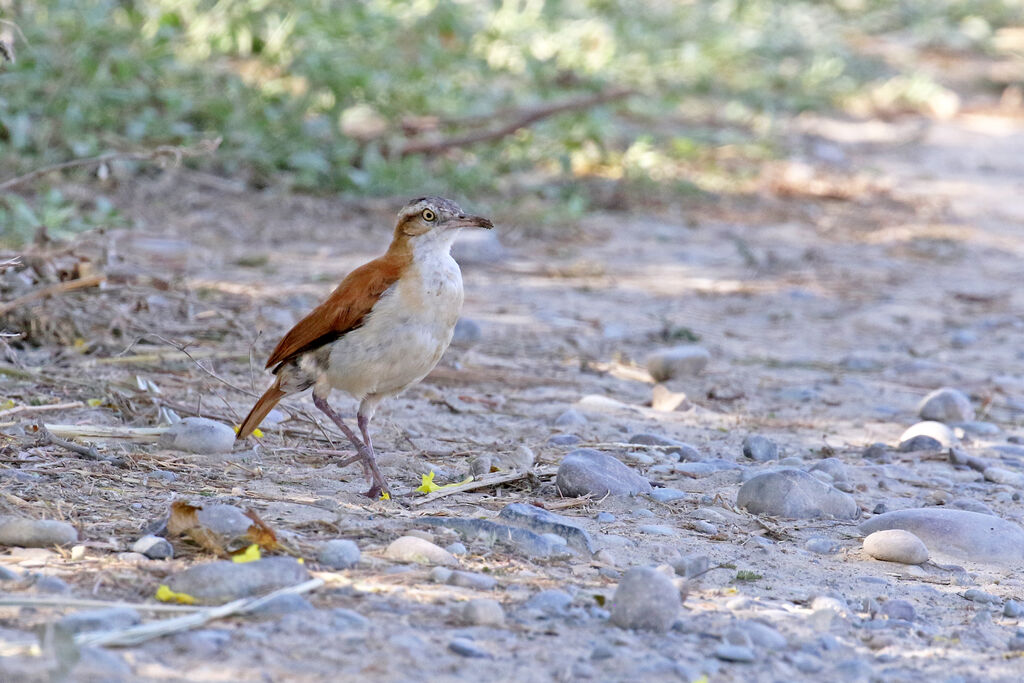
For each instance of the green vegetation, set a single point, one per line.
(320, 96)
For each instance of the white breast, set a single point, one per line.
(405, 334)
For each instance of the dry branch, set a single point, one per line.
(101, 432)
(59, 288)
(36, 409)
(176, 153)
(525, 118)
(483, 483)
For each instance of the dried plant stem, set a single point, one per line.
(482, 483)
(38, 409)
(59, 288)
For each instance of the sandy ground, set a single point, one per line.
(827, 319)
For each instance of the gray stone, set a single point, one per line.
(480, 582)
(735, 653)
(339, 553)
(217, 582)
(467, 333)
(483, 612)
(999, 475)
(896, 545)
(35, 533)
(154, 547)
(543, 521)
(691, 565)
(978, 428)
(456, 548)
(936, 431)
(1013, 609)
(467, 648)
(899, 609)
(348, 620)
(198, 435)
(963, 338)
(678, 361)
(551, 602)
(978, 595)
(685, 451)
(563, 440)
(667, 495)
(957, 535)
(107, 619)
(822, 545)
(656, 530)
(8, 574)
(587, 471)
(519, 540)
(420, 551)
(705, 527)
(284, 604)
(760, 448)
(796, 495)
(946, 405)
(571, 418)
(971, 505)
(763, 635)
(51, 585)
(202, 644)
(645, 599)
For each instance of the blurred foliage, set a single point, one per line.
(312, 94)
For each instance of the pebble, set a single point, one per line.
(467, 333)
(645, 599)
(420, 551)
(691, 565)
(222, 581)
(483, 612)
(551, 602)
(7, 574)
(795, 494)
(203, 643)
(1016, 643)
(667, 495)
(656, 530)
(154, 547)
(978, 428)
(284, 604)
(685, 451)
(978, 595)
(959, 535)
(480, 582)
(763, 635)
(520, 540)
(1013, 609)
(586, 471)
(963, 338)
(107, 619)
(760, 448)
(544, 521)
(35, 533)
(946, 405)
(735, 653)
(339, 553)
(896, 545)
(920, 437)
(467, 648)
(678, 361)
(971, 505)
(705, 527)
(198, 435)
(899, 609)
(571, 418)
(822, 545)
(605, 517)
(456, 548)
(999, 475)
(563, 440)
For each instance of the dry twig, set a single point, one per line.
(58, 288)
(482, 483)
(175, 153)
(38, 409)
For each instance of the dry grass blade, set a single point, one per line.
(143, 632)
(38, 409)
(41, 601)
(102, 432)
(482, 483)
(59, 288)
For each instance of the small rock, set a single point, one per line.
(735, 653)
(520, 459)
(896, 545)
(645, 599)
(656, 530)
(551, 602)
(946, 405)
(154, 547)
(440, 574)
(899, 609)
(412, 549)
(705, 527)
(467, 333)
(7, 574)
(971, 505)
(107, 619)
(999, 475)
(563, 440)
(543, 521)
(1013, 609)
(665, 400)
(456, 548)
(760, 448)
(520, 540)
(978, 595)
(667, 495)
(571, 418)
(482, 464)
(690, 565)
(480, 582)
(678, 361)
(35, 533)
(483, 612)
(916, 437)
(217, 582)
(198, 435)
(1016, 643)
(822, 545)
(978, 428)
(586, 471)
(605, 517)
(963, 338)
(339, 553)
(958, 535)
(51, 585)
(284, 604)
(763, 635)
(467, 648)
(796, 495)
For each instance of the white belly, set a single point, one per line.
(405, 334)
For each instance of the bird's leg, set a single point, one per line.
(378, 483)
(364, 427)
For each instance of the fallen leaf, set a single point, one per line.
(165, 594)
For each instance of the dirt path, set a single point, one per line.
(827, 320)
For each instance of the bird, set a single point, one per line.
(382, 330)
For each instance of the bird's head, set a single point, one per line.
(431, 217)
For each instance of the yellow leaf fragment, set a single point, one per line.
(250, 554)
(428, 485)
(258, 433)
(9, 403)
(94, 402)
(165, 594)
(385, 496)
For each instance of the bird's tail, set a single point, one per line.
(259, 411)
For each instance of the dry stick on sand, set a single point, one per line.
(38, 409)
(63, 601)
(482, 483)
(134, 635)
(59, 288)
(163, 152)
(525, 118)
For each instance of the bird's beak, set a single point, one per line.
(470, 222)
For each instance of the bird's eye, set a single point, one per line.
(428, 215)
